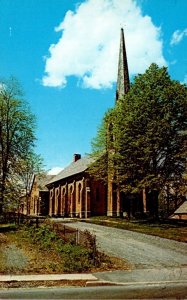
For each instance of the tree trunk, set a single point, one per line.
(2, 196)
(153, 204)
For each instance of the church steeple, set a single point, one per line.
(123, 82)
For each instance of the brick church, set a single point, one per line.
(74, 193)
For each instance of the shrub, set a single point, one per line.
(76, 258)
(44, 236)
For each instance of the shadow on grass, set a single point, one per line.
(7, 228)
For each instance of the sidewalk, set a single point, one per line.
(142, 276)
(137, 276)
(46, 277)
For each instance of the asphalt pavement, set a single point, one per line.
(138, 291)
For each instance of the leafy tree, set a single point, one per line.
(26, 168)
(17, 137)
(149, 129)
(102, 150)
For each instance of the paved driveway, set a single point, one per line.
(141, 250)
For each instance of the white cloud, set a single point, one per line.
(89, 44)
(55, 171)
(177, 36)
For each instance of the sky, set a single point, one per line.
(65, 53)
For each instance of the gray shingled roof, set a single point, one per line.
(43, 181)
(74, 168)
(182, 209)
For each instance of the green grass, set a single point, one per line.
(161, 229)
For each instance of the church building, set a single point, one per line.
(74, 193)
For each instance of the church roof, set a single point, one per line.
(43, 180)
(74, 168)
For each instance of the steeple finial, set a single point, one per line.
(123, 82)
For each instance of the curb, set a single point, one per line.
(102, 283)
(134, 283)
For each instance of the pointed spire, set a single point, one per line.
(123, 82)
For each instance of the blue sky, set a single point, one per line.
(65, 52)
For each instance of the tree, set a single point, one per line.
(100, 150)
(17, 137)
(149, 128)
(32, 164)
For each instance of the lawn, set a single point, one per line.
(164, 229)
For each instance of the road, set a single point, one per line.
(140, 250)
(138, 291)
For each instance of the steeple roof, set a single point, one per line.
(123, 82)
